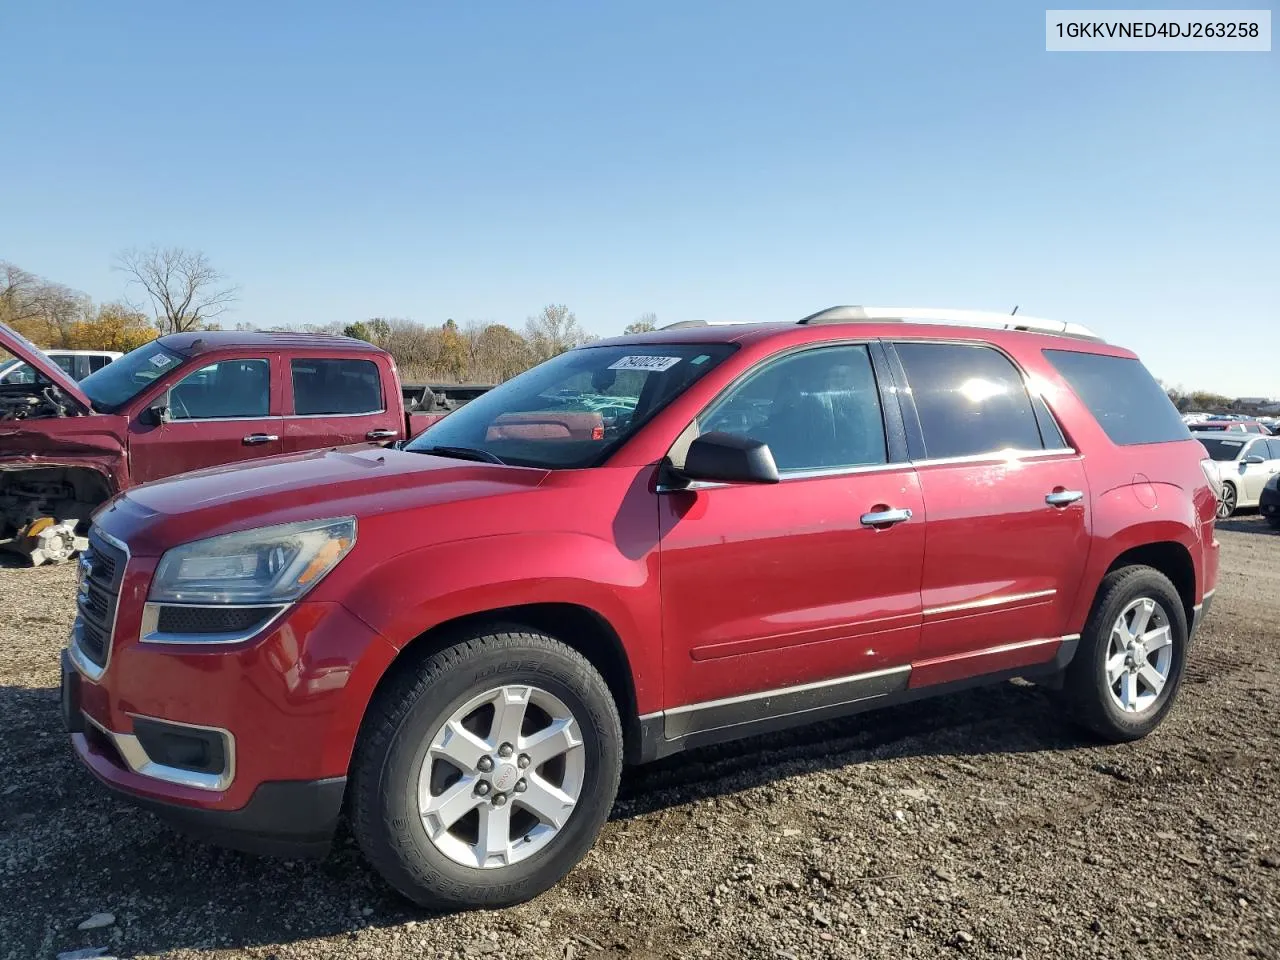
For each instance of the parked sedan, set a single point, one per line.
(1244, 464)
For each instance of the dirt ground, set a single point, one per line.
(982, 825)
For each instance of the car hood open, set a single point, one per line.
(24, 349)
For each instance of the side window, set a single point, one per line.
(67, 362)
(971, 400)
(819, 409)
(223, 390)
(1274, 446)
(97, 362)
(323, 386)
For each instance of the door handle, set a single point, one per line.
(1063, 498)
(885, 518)
(381, 435)
(255, 438)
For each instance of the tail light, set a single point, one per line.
(597, 433)
(1211, 474)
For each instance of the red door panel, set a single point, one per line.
(339, 400)
(1001, 565)
(778, 585)
(225, 411)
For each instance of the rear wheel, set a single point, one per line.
(484, 775)
(1227, 503)
(1127, 670)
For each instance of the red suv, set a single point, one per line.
(461, 641)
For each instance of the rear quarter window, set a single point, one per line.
(1122, 396)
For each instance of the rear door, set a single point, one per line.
(1008, 511)
(787, 597)
(223, 412)
(340, 400)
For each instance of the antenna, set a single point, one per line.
(1014, 311)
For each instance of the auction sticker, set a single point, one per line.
(656, 364)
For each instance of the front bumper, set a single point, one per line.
(279, 714)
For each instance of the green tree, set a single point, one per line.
(358, 331)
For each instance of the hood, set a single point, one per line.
(24, 349)
(359, 481)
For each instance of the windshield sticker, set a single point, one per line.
(161, 360)
(656, 364)
(700, 359)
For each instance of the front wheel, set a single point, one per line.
(1227, 503)
(1126, 672)
(484, 774)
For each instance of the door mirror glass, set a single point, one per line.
(728, 458)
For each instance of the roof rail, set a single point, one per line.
(681, 324)
(968, 318)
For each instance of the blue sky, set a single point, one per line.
(697, 160)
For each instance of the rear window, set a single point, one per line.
(1122, 396)
(323, 386)
(1221, 449)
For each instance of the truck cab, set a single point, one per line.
(183, 402)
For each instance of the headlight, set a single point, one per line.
(268, 565)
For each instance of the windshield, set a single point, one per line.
(1222, 449)
(574, 409)
(117, 383)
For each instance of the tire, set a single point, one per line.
(407, 732)
(1094, 700)
(1227, 504)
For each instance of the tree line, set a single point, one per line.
(182, 291)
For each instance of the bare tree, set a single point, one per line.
(42, 311)
(553, 331)
(186, 291)
(643, 323)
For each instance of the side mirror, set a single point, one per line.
(157, 413)
(1254, 459)
(728, 458)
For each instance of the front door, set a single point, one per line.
(338, 401)
(1008, 513)
(1254, 476)
(218, 414)
(805, 594)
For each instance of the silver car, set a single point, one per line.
(1244, 463)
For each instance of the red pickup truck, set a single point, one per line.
(180, 403)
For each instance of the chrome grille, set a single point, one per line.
(100, 575)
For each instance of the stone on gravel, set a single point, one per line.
(97, 921)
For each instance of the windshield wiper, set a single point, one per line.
(461, 453)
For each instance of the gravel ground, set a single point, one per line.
(982, 824)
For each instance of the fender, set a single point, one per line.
(1134, 515)
(415, 591)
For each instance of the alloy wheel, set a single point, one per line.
(1227, 504)
(501, 777)
(1139, 655)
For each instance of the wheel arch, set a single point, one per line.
(1170, 558)
(575, 625)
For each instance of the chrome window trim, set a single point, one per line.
(335, 416)
(976, 458)
(149, 632)
(987, 602)
(174, 421)
(996, 456)
(88, 669)
(135, 757)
